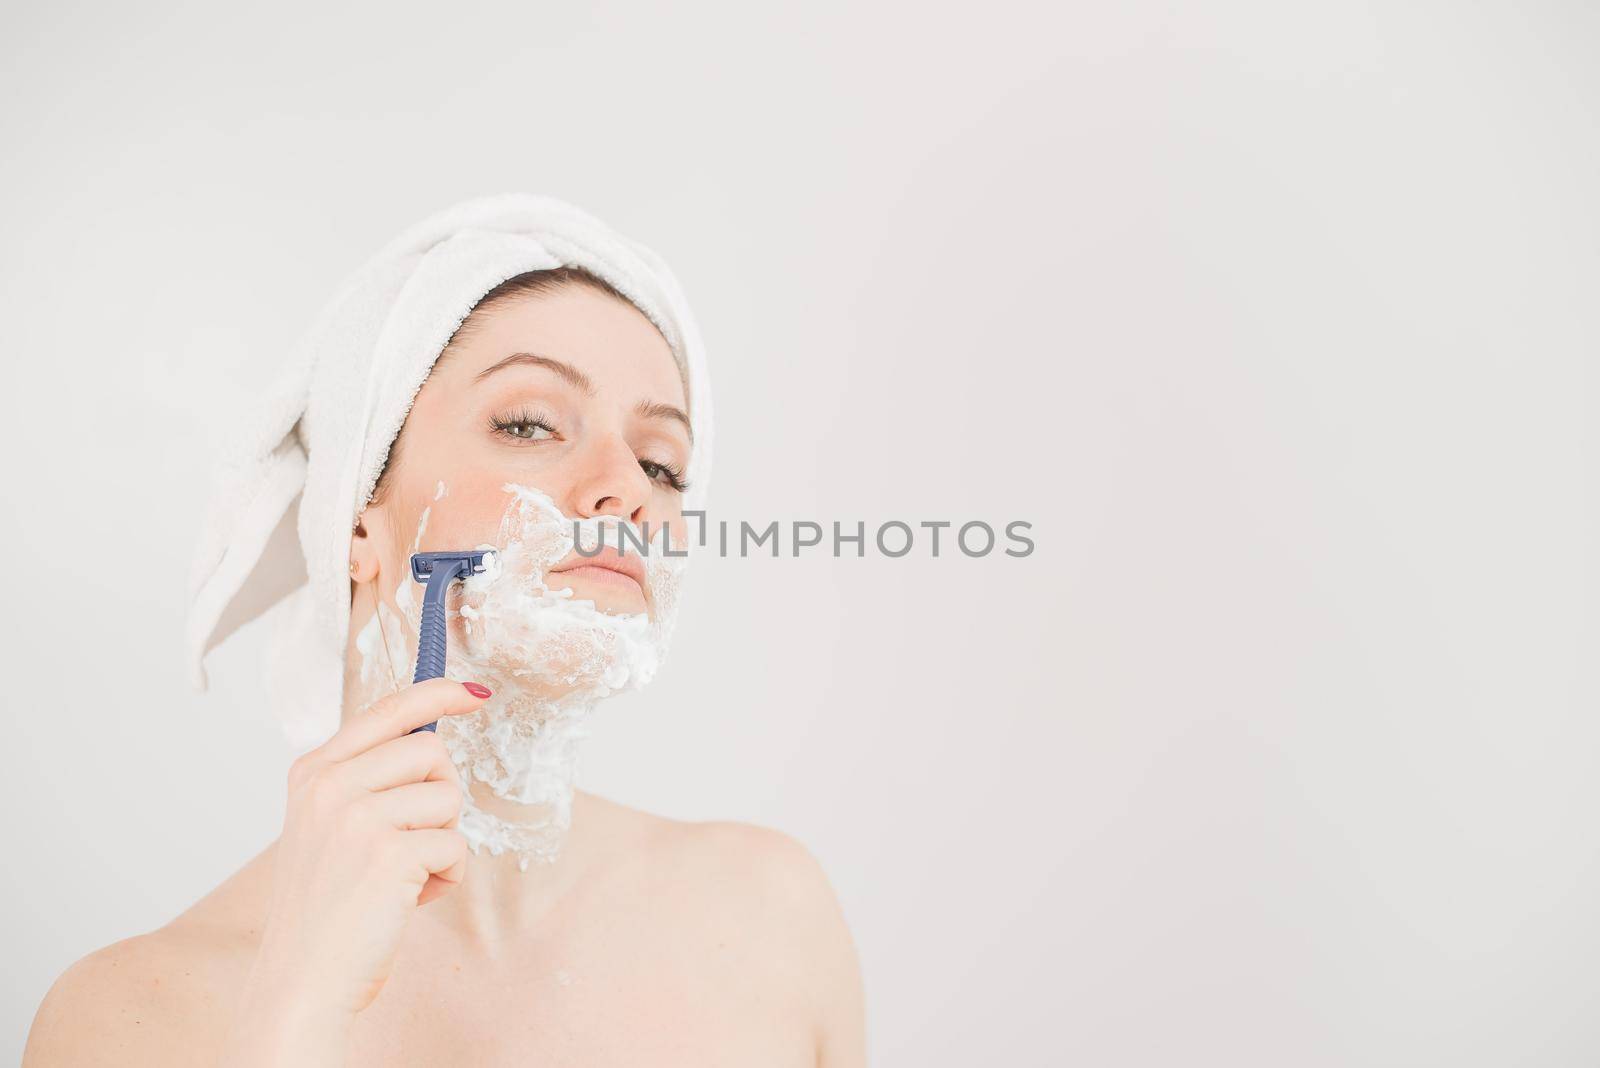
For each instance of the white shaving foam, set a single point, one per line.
(548, 657)
(421, 526)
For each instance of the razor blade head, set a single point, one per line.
(422, 564)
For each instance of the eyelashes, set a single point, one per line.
(514, 424)
(525, 426)
(655, 469)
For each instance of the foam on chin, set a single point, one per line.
(548, 657)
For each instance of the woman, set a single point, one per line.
(508, 376)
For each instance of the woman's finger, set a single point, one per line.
(436, 887)
(417, 805)
(439, 851)
(409, 758)
(399, 713)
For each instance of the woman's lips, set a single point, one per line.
(603, 575)
(607, 567)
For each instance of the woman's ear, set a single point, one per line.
(364, 562)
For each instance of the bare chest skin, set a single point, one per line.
(654, 983)
(668, 944)
(652, 962)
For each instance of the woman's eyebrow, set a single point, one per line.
(644, 409)
(533, 359)
(656, 410)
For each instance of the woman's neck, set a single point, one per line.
(502, 896)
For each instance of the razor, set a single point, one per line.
(438, 570)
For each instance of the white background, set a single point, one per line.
(1278, 321)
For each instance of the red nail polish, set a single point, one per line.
(477, 691)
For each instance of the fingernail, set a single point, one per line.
(477, 691)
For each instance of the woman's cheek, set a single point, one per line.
(463, 516)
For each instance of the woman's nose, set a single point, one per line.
(612, 482)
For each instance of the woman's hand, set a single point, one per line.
(368, 835)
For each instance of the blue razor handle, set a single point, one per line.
(438, 570)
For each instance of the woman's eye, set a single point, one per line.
(667, 476)
(522, 427)
(531, 431)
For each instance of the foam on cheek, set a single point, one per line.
(422, 524)
(549, 658)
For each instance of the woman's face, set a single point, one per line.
(571, 392)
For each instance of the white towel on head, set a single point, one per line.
(301, 468)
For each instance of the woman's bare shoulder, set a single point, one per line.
(759, 865)
(763, 899)
(151, 998)
(772, 886)
(731, 864)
